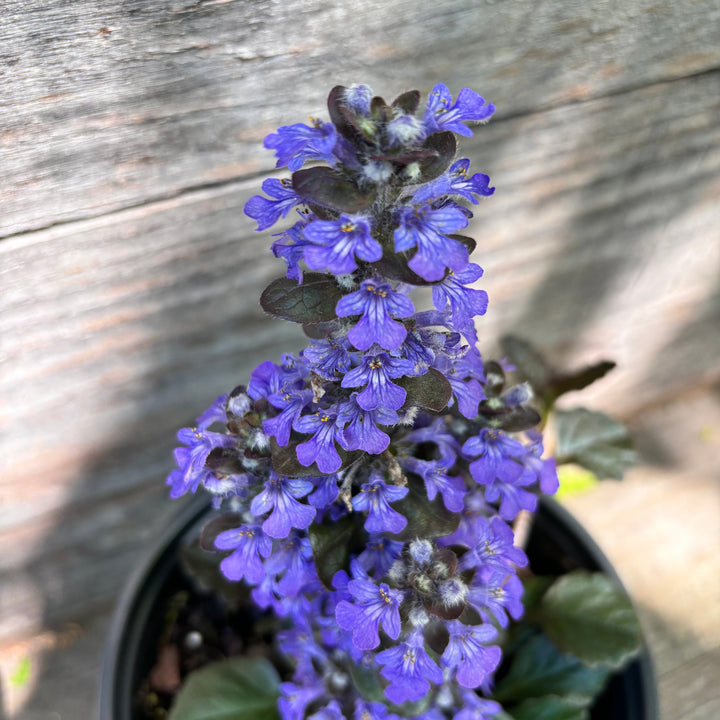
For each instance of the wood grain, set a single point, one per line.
(109, 105)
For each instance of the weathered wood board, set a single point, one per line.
(130, 139)
(109, 105)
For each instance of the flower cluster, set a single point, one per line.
(377, 471)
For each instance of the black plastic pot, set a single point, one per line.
(557, 544)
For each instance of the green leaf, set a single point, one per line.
(538, 668)
(444, 144)
(22, 673)
(327, 187)
(587, 615)
(426, 519)
(313, 301)
(528, 361)
(332, 543)
(203, 568)
(431, 391)
(561, 384)
(241, 688)
(574, 480)
(595, 441)
(549, 708)
(408, 102)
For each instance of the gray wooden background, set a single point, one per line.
(130, 139)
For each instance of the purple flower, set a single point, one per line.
(437, 433)
(365, 710)
(296, 698)
(434, 473)
(465, 302)
(493, 447)
(376, 303)
(359, 427)
(293, 144)
(328, 358)
(326, 491)
(191, 459)
(375, 373)
(280, 495)
(466, 533)
(293, 559)
(267, 212)
(291, 403)
(544, 470)
(331, 711)
(495, 594)
(466, 652)
(375, 497)
(493, 548)
(321, 447)
(455, 182)
(409, 669)
(216, 413)
(507, 487)
(442, 114)
(418, 349)
(379, 554)
(266, 379)
(373, 605)
(291, 248)
(357, 98)
(249, 543)
(425, 228)
(337, 242)
(468, 392)
(475, 707)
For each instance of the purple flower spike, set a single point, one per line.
(321, 447)
(376, 303)
(442, 114)
(337, 242)
(280, 496)
(375, 498)
(409, 669)
(467, 653)
(293, 144)
(427, 228)
(250, 543)
(373, 605)
(375, 373)
(267, 212)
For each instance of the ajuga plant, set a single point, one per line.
(372, 479)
